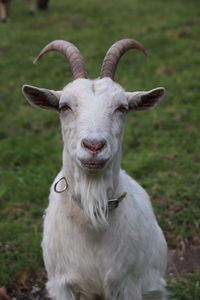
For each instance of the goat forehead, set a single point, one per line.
(95, 92)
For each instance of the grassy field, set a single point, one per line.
(161, 147)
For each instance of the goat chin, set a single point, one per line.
(92, 189)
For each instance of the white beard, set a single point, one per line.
(91, 191)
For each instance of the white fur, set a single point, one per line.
(90, 254)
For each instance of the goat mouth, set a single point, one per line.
(93, 164)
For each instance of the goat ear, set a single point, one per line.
(145, 100)
(42, 98)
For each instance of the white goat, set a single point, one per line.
(101, 238)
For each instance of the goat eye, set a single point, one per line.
(123, 109)
(64, 107)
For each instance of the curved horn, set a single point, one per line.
(71, 52)
(115, 52)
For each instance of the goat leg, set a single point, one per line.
(31, 8)
(5, 11)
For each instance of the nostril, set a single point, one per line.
(100, 145)
(93, 145)
(85, 143)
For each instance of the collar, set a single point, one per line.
(112, 203)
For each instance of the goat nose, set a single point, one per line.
(93, 145)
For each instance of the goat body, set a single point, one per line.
(91, 252)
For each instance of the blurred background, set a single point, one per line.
(161, 147)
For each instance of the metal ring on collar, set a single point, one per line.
(63, 189)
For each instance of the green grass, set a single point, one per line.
(161, 147)
(186, 288)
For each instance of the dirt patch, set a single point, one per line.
(183, 261)
(30, 287)
(38, 26)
